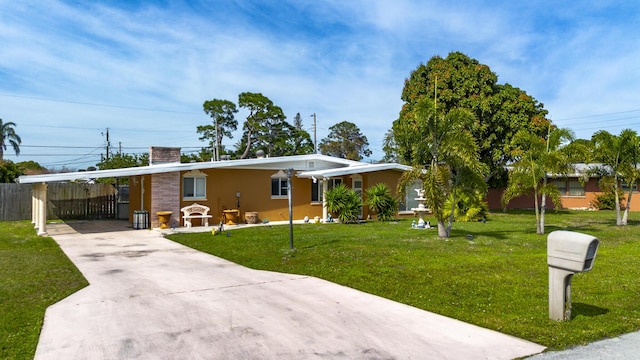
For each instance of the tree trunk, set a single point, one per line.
(539, 231)
(453, 207)
(625, 216)
(442, 230)
(618, 217)
(543, 208)
(246, 150)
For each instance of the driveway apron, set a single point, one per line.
(151, 298)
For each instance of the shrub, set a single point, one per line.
(607, 201)
(381, 202)
(468, 207)
(343, 203)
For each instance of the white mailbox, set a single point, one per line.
(571, 250)
(568, 252)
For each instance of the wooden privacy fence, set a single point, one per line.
(64, 201)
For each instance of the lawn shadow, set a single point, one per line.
(581, 309)
(581, 228)
(501, 235)
(87, 226)
(319, 244)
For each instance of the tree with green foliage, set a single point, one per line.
(264, 124)
(618, 157)
(381, 202)
(9, 171)
(344, 203)
(390, 148)
(345, 141)
(8, 136)
(536, 157)
(224, 123)
(501, 110)
(443, 153)
(31, 167)
(204, 154)
(120, 161)
(299, 139)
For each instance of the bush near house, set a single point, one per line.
(607, 201)
(344, 203)
(381, 202)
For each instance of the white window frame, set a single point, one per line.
(566, 189)
(281, 178)
(199, 183)
(317, 186)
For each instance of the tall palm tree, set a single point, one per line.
(445, 156)
(8, 136)
(536, 157)
(619, 156)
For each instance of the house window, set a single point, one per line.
(575, 188)
(278, 187)
(334, 182)
(569, 187)
(194, 187)
(624, 187)
(316, 191)
(409, 200)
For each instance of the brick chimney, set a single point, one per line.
(165, 187)
(163, 155)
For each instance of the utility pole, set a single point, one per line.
(108, 144)
(315, 141)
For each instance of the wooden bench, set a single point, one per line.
(195, 211)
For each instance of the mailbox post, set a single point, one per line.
(567, 253)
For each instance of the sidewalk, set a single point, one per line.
(624, 347)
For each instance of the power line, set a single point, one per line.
(597, 115)
(97, 104)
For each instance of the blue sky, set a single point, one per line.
(71, 69)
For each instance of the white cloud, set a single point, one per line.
(341, 60)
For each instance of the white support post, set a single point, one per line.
(325, 188)
(34, 206)
(42, 209)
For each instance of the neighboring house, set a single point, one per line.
(246, 185)
(575, 194)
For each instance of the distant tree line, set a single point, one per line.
(265, 130)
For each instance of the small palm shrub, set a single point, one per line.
(343, 203)
(381, 202)
(468, 207)
(607, 201)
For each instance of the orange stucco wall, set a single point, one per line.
(254, 187)
(588, 201)
(135, 200)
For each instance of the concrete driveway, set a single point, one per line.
(151, 298)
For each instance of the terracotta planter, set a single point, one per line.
(231, 216)
(164, 217)
(251, 217)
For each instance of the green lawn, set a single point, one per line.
(34, 273)
(499, 280)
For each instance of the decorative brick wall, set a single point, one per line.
(165, 187)
(165, 196)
